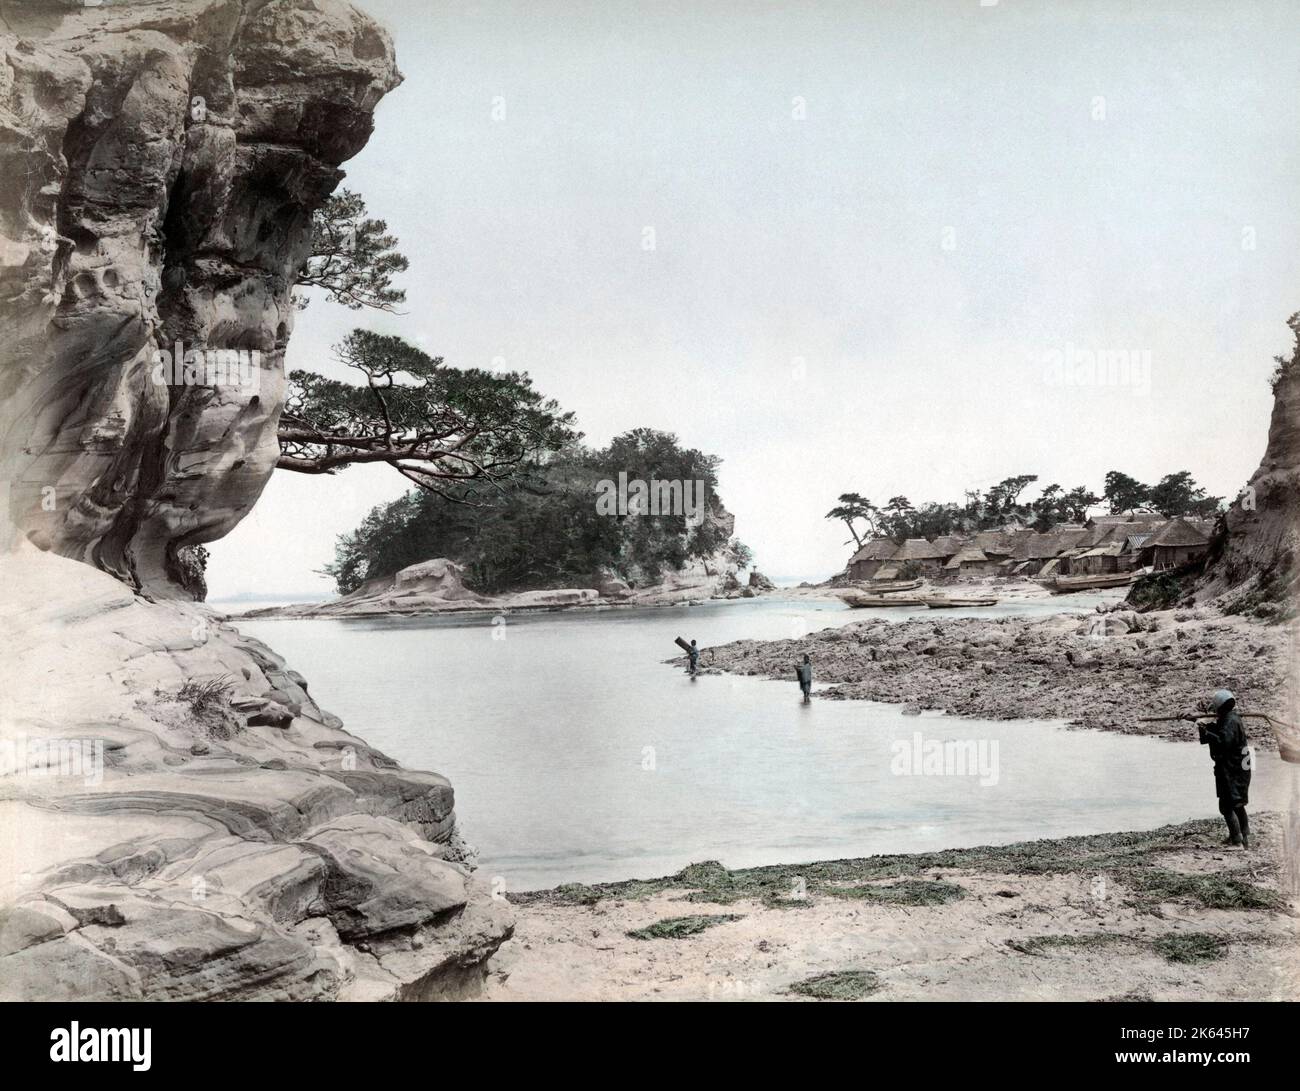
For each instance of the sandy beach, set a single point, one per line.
(1168, 914)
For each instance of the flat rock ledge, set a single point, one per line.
(158, 844)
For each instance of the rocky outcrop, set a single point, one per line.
(1252, 565)
(1102, 670)
(437, 586)
(159, 166)
(179, 820)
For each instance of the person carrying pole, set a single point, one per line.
(803, 671)
(1230, 751)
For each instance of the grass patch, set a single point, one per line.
(838, 985)
(1191, 947)
(681, 927)
(204, 697)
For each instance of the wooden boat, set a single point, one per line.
(1063, 585)
(939, 602)
(889, 587)
(860, 601)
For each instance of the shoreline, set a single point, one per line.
(1161, 914)
(339, 608)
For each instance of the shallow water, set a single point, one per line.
(577, 754)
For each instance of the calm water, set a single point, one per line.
(578, 755)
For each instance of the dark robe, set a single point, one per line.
(1231, 754)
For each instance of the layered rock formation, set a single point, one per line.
(178, 819)
(160, 165)
(160, 843)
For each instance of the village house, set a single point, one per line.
(968, 560)
(1105, 545)
(866, 562)
(997, 545)
(918, 552)
(948, 546)
(1176, 543)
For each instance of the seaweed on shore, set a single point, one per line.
(681, 927)
(838, 985)
(1039, 945)
(1174, 947)
(906, 892)
(1191, 947)
(1129, 858)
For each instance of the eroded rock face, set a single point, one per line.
(159, 166)
(1254, 565)
(154, 845)
(178, 818)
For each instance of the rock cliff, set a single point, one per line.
(178, 819)
(1253, 561)
(160, 165)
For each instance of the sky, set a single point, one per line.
(888, 238)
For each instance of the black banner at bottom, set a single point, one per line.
(142, 1041)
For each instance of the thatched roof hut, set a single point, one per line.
(967, 558)
(948, 545)
(1133, 515)
(994, 542)
(915, 549)
(1043, 546)
(1069, 537)
(1179, 532)
(1176, 543)
(865, 564)
(877, 549)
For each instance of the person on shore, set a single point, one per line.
(803, 671)
(1232, 760)
(694, 656)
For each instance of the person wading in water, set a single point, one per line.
(1232, 760)
(694, 656)
(803, 671)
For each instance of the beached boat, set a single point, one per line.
(860, 601)
(1062, 585)
(889, 587)
(940, 602)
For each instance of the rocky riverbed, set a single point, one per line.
(1103, 670)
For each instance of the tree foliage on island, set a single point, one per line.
(850, 509)
(1174, 495)
(1000, 504)
(542, 528)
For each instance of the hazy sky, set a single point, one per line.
(874, 225)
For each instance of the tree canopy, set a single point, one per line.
(543, 528)
(353, 259)
(1175, 494)
(448, 430)
(898, 518)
